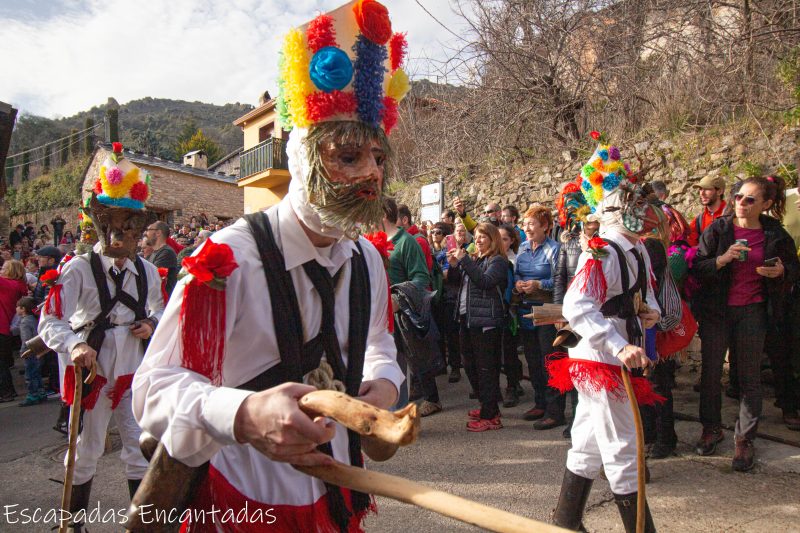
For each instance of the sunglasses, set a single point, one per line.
(740, 198)
(437, 232)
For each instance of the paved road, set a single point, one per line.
(516, 469)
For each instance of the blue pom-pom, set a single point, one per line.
(586, 185)
(331, 69)
(603, 155)
(130, 203)
(368, 79)
(610, 182)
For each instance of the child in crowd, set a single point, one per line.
(27, 330)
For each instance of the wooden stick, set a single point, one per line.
(641, 499)
(414, 493)
(74, 423)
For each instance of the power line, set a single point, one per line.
(54, 142)
(67, 147)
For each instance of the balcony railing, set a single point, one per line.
(263, 156)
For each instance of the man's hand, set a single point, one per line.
(83, 356)
(142, 330)
(378, 392)
(458, 205)
(272, 423)
(649, 318)
(633, 357)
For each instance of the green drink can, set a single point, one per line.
(743, 253)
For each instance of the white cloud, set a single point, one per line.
(211, 51)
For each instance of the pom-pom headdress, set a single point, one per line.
(572, 207)
(604, 171)
(343, 65)
(120, 182)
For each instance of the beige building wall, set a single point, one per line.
(252, 127)
(259, 198)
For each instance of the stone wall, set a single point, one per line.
(70, 214)
(733, 152)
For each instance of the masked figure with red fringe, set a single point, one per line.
(609, 305)
(281, 295)
(102, 306)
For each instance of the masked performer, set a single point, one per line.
(604, 308)
(299, 285)
(101, 308)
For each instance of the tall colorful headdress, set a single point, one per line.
(572, 206)
(343, 65)
(121, 183)
(604, 171)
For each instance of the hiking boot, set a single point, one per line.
(483, 424)
(533, 414)
(744, 456)
(661, 450)
(475, 414)
(427, 408)
(511, 397)
(455, 376)
(791, 419)
(572, 501)
(707, 444)
(548, 423)
(29, 400)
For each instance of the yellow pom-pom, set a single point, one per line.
(120, 189)
(597, 192)
(398, 85)
(297, 82)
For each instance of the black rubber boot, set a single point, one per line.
(572, 501)
(79, 500)
(133, 484)
(627, 510)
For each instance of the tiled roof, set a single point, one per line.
(153, 161)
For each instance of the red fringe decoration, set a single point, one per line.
(389, 115)
(122, 384)
(163, 273)
(52, 304)
(219, 493)
(397, 50)
(591, 280)
(320, 33)
(98, 186)
(321, 105)
(390, 316)
(203, 330)
(596, 376)
(68, 389)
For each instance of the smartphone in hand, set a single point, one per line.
(771, 262)
(451, 242)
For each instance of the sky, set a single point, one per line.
(60, 57)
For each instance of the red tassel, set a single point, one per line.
(122, 384)
(591, 280)
(163, 273)
(397, 50)
(390, 114)
(596, 376)
(52, 305)
(390, 310)
(320, 33)
(68, 389)
(203, 330)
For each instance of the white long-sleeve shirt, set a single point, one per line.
(194, 419)
(602, 338)
(121, 352)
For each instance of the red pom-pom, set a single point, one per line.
(595, 135)
(373, 20)
(98, 187)
(139, 191)
(389, 115)
(117, 147)
(320, 33)
(50, 277)
(321, 106)
(397, 50)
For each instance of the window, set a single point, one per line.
(265, 132)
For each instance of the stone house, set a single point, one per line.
(178, 191)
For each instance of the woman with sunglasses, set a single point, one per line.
(746, 263)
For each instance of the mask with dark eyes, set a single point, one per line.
(118, 228)
(635, 208)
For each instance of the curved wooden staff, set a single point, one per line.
(641, 499)
(74, 424)
(383, 432)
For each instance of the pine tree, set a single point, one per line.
(63, 151)
(26, 165)
(198, 141)
(48, 154)
(89, 144)
(74, 145)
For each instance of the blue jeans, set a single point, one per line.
(33, 376)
